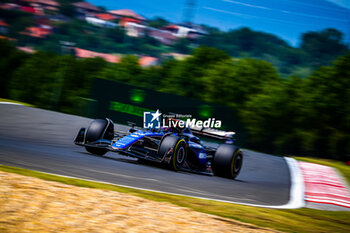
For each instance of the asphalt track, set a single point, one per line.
(43, 140)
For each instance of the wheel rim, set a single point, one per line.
(180, 155)
(237, 163)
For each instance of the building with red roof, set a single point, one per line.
(44, 2)
(85, 9)
(100, 22)
(139, 30)
(127, 13)
(83, 53)
(41, 5)
(105, 16)
(148, 61)
(184, 31)
(135, 29)
(164, 37)
(38, 32)
(126, 20)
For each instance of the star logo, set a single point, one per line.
(151, 120)
(156, 115)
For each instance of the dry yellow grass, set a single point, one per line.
(33, 205)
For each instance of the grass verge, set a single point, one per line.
(340, 166)
(298, 220)
(16, 102)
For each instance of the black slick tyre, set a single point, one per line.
(227, 161)
(176, 148)
(99, 129)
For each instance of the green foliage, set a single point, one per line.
(76, 80)
(233, 82)
(304, 116)
(245, 40)
(307, 112)
(95, 38)
(54, 82)
(189, 73)
(273, 116)
(324, 46)
(102, 8)
(17, 20)
(10, 60)
(127, 70)
(328, 98)
(182, 45)
(317, 48)
(158, 22)
(66, 8)
(33, 78)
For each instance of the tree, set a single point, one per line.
(273, 117)
(185, 77)
(303, 116)
(102, 8)
(233, 83)
(18, 21)
(324, 46)
(34, 83)
(77, 77)
(10, 60)
(126, 71)
(158, 22)
(67, 9)
(327, 100)
(182, 45)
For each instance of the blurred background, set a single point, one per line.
(279, 69)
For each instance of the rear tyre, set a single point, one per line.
(99, 129)
(227, 161)
(176, 148)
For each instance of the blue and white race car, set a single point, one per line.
(178, 148)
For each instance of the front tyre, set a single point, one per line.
(99, 130)
(176, 148)
(227, 161)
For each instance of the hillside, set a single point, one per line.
(125, 32)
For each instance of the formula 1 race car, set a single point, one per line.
(178, 148)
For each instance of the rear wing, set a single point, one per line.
(213, 133)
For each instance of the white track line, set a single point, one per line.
(297, 189)
(10, 103)
(296, 199)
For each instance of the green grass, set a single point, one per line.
(298, 220)
(16, 102)
(340, 166)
